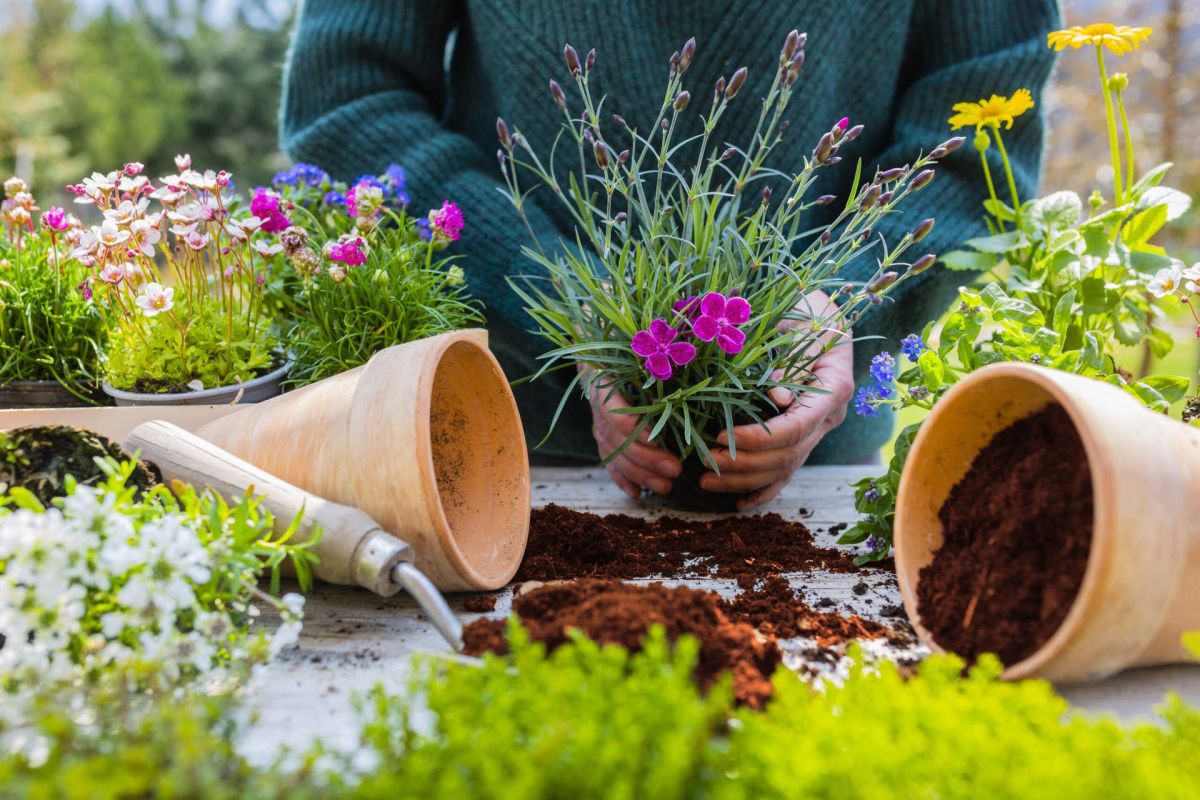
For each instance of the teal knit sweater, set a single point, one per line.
(421, 83)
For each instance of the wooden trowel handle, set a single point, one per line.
(352, 548)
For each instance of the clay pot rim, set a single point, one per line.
(1100, 550)
(476, 341)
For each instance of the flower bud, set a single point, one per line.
(720, 86)
(556, 92)
(874, 298)
(826, 235)
(870, 196)
(854, 133)
(681, 100)
(825, 199)
(923, 263)
(866, 234)
(923, 178)
(590, 59)
(793, 70)
(1118, 82)
(729, 153)
(503, 134)
(889, 175)
(685, 55)
(886, 197)
(736, 82)
(947, 147)
(620, 121)
(572, 59)
(455, 276)
(824, 148)
(673, 62)
(922, 230)
(620, 217)
(982, 140)
(790, 45)
(622, 157)
(882, 282)
(766, 195)
(500, 157)
(600, 150)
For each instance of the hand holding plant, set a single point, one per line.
(694, 299)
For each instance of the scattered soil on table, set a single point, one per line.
(480, 604)
(1018, 530)
(566, 544)
(611, 612)
(772, 606)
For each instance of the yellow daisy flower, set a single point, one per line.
(1120, 39)
(993, 111)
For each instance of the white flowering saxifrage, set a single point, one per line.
(356, 274)
(692, 288)
(49, 329)
(157, 593)
(1065, 286)
(178, 268)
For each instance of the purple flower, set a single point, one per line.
(423, 230)
(912, 346)
(85, 289)
(688, 307)
(659, 348)
(334, 198)
(447, 222)
(265, 205)
(394, 177)
(864, 402)
(719, 318)
(55, 219)
(883, 370)
(306, 174)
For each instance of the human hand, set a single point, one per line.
(641, 465)
(766, 459)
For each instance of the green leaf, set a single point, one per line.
(1144, 225)
(1176, 202)
(1063, 311)
(1000, 243)
(1161, 342)
(1152, 178)
(969, 261)
(999, 210)
(1171, 388)
(1056, 211)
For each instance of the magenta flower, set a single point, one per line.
(265, 206)
(55, 219)
(351, 252)
(688, 307)
(447, 221)
(719, 318)
(659, 348)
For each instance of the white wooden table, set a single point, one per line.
(353, 640)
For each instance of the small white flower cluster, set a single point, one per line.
(100, 587)
(1168, 280)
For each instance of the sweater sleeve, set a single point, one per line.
(364, 87)
(958, 52)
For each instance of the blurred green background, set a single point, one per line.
(90, 84)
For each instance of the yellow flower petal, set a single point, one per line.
(995, 111)
(1120, 39)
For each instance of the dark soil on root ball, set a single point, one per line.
(1018, 531)
(39, 459)
(566, 544)
(611, 612)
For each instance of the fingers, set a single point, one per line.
(605, 402)
(812, 414)
(624, 484)
(779, 458)
(741, 481)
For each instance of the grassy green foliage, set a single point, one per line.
(48, 331)
(589, 721)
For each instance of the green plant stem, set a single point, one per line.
(1008, 175)
(991, 186)
(1129, 163)
(1113, 145)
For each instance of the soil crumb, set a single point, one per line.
(480, 603)
(1018, 530)
(566, 544)
(772, 606)
(611, 612)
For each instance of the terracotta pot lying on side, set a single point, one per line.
(425, 437)
(1141, 588)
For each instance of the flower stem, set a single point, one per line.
(1129, 167)
(1008, 174)
(1113, 144)
(987, 176)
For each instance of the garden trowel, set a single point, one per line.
(353, 549)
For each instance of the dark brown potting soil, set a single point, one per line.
(774, 607)
(1018, 529)
(566, 544)
(611, 612)
(39, 458)
(480, 603)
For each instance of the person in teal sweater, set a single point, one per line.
(422, 82)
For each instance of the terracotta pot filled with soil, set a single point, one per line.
(425, 438)
(1053, 520)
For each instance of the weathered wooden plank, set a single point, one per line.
(353, 640)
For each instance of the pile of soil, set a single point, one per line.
(611, 612)
(39, 458)
(480, 603)
(566, 544)
(1018, 530)
(772, 606)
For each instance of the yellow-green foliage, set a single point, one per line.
(163, 361)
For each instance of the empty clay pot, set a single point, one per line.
(1141, 588)
(425, 438)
